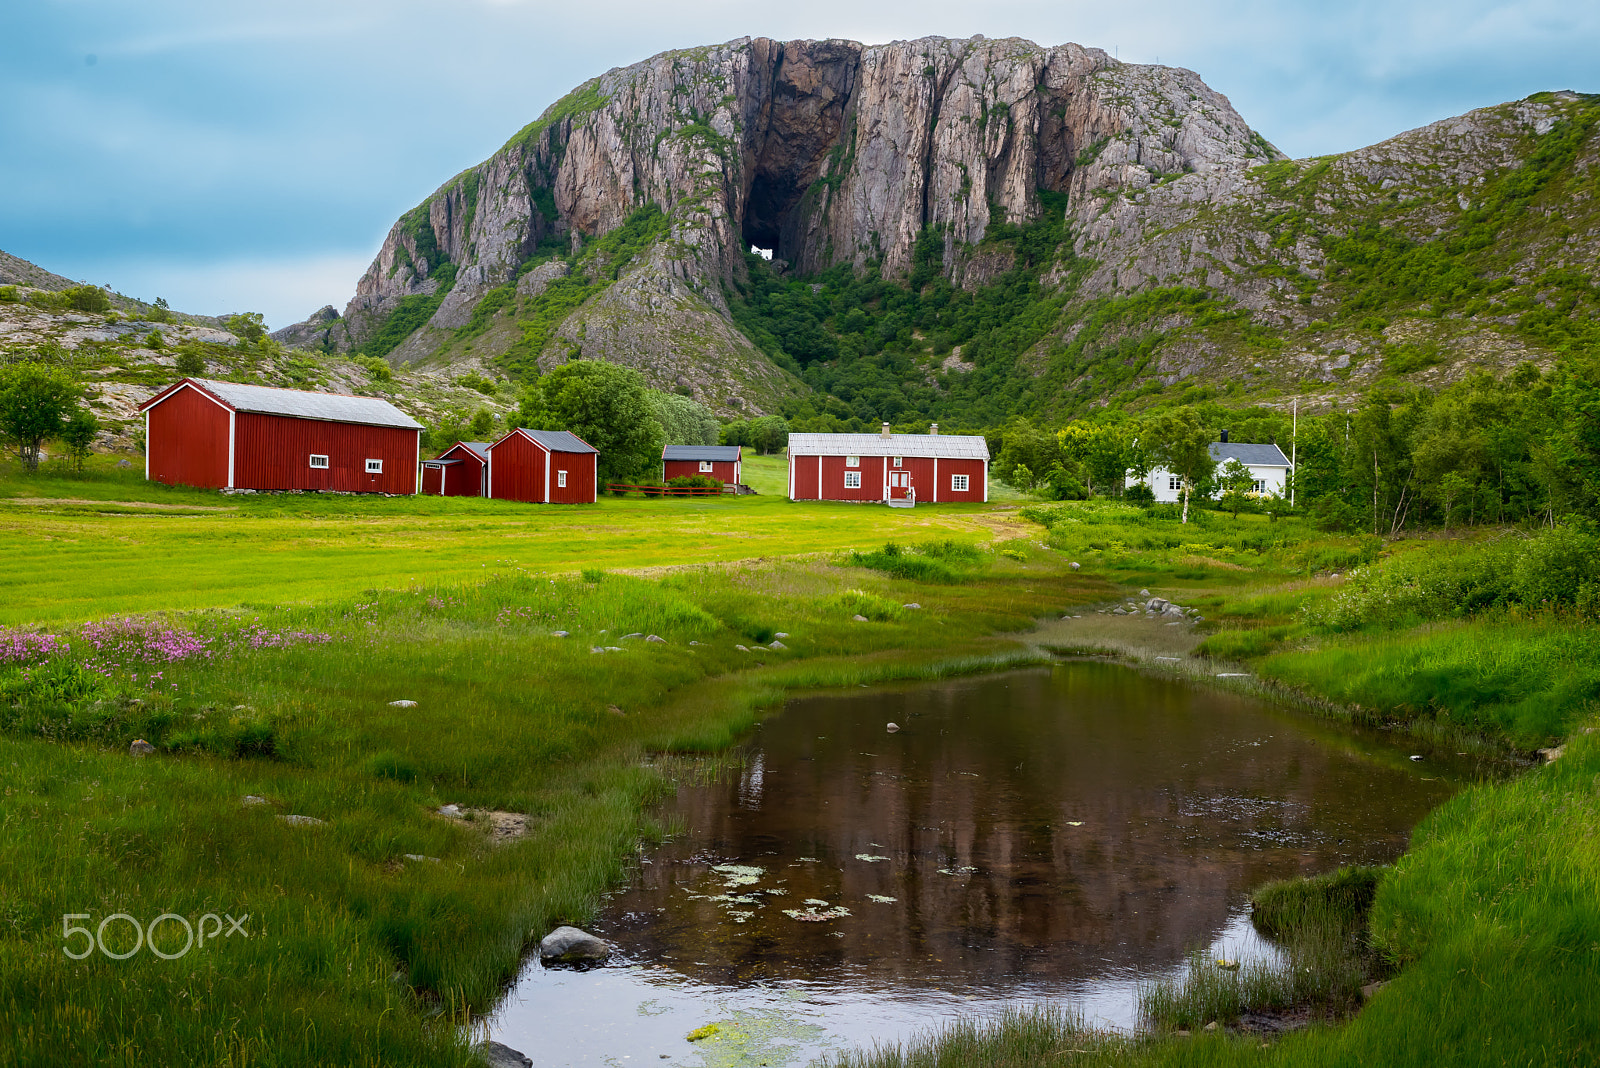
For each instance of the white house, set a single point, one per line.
(1269, 468)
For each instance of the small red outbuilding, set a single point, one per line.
(721, 462)
(462, 470)
(543, 467)
(224, 435)
(898, 469)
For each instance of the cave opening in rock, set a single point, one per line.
(772, 197)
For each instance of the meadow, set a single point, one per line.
(258, 645)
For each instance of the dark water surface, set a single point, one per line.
(1054, 833)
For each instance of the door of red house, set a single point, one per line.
(900, 485)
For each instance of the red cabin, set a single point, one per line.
(223, 435)
(721, 462)
(900, 470)
(543, 467)
(462, 470)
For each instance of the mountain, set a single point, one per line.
(1143, 236)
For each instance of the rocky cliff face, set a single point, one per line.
(831, 152)
(821, 151)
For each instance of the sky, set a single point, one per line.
(251, 157)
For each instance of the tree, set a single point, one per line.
(604, 404)
(1235, 481)
(683, 422)
(77, 434)
(482, 425)
(769, 434)
(248, 327)
(1182, 445)
(34, 399)
(86, 298)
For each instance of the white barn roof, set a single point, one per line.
(933, 446)
(302, 404)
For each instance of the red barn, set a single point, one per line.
(543, 467)
(900, 470)
(223, 435)
(462, 470)
(721, 462)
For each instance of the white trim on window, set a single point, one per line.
(899, 461)
(374, 467)
(561, 479)
(706, 466)
(318, 460)
(958, 483)
(1174, 483)
(852, 480)
(852, 461)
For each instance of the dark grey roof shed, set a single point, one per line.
(1247, 454)
(725, 453)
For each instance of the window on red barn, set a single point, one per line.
(958, 483)
(561, 478)
(852, 480)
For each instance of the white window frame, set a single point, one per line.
(561, 479)
(706, 466)
(374, 467)
(1259, 486)
(852, 480)
(1174, 483)
(899, 461)
(852, 461)
(315, 458)
(959, 484)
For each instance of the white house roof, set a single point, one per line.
(1249, 455)
(933, 446)
(303, 404)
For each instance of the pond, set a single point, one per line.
(1058, 833)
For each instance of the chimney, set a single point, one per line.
(886, 430)
(1224, 437)
(933, 431)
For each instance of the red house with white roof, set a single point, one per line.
(543, 467)
(224, 435)
(900, 470)
(462, 470)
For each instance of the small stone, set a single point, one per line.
(569, 944)
(418, 858)
(891, 727)
(453, 811)
(635, 634)
(303, 821)
(596, 649)
(913, 604)
(140, 748)
(1144, 593)
(655, 638)
(1416, 757)
(780, 634)
(613, 648)
(1119, 612)
(1183, 1034)
(742, 648)
(1212, 1026)
(497, 1055)
(1371, 989)
(694, 643)
(859, 618)
(251, 800)
(402, 704)
(1074, 565)
(777, 645)
(560, 634)
(615, 711)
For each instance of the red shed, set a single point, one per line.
(223, 435)
(721, 462)
(898, 469)
(543, 467)
(462, 470)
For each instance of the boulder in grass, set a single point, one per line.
(780, 634)
(402, 704)
(560, 634)
(140, 748)
(635, 634)
(859, 618)
(777, 645)
(655, 638)
(913, 604)
(251, 800)
(1074, 565)
(303, 821)
(569, 945)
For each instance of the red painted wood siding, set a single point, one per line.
(872, 479)
(721, 470)
(516, 470)
(580, 469)
(187, 442)
(431, 477)
(973, 469)
(464, 479)
(874, 472)
(273, 452)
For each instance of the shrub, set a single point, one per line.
(592, 575)
(191, 359)
(1139, 493)
(86, 299)
(9, 295)
(861, 603)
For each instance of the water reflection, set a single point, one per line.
(1053, 832)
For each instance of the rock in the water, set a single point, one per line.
(140, 748)
(560, 634)
(859, 618)
(655, 638)
(303, 821)
(402, 704)
(570, 945)
(892, 727)
(498, 1055)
